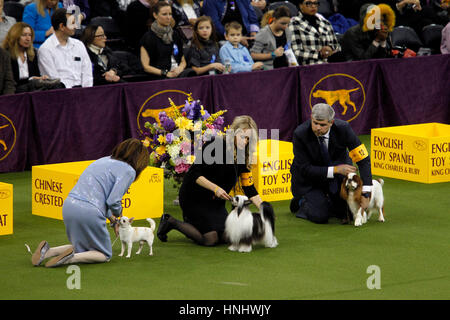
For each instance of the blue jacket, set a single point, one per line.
(39, 23)
(216, 10)
(240, 58)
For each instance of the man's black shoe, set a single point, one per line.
(294, 206)
(164, 227)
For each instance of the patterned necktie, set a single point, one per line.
(332, 185)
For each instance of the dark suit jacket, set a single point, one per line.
(309, 169)
(97, 68)
(7, 85)
(33, 70)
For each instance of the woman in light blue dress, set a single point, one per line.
(96, 197)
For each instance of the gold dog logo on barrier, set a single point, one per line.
(346, 102)
(151, 108)
(7, 136)
(5, 194)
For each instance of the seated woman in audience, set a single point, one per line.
(186, 12)
(38, 16)
(24, 62)
(272, 39)
(105, 67)
(204, 53)
(161, 48)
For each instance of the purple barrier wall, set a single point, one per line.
(86, 123)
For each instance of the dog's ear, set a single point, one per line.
(131, 220)
(247, 202)
(358, 189)
(344, 192)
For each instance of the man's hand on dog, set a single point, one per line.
(344, 169)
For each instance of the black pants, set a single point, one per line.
(318, 206)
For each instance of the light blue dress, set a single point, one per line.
(96, 196)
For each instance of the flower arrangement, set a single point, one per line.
(177, 132)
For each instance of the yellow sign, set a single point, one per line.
(271, 174)
(52, 183)
(6, 208)
(419, 152)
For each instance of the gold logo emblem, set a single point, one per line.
(158, 102)
(420, 145)
(341, 91)
(4, 194)
(7, 136)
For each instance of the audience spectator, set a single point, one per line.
(38, 16)
(272, 39)
(123, 4)
(6, 76)
(105, 67)
(24, 65)
(204, 52)
(138, 21)
(6, 22)
(63, 57)
(224, 11)
(313, 38)
(186, 12)
(260, 4)
(161, 48)
(83, 5)
(445, 41)
(235, 53)
(367, 40)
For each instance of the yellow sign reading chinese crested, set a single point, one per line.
(52, 183)
(271, 175)
(419, 152)
(6, 208)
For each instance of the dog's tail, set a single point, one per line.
(268, 214)
(152, 224)
(381, 181)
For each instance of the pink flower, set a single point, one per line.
(182, 167)
(185, 147)
(209, 126)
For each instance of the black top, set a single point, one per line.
(160, 53)
(137, 23)
(280, 62)
(33, 70)
(99, 68)
(200, 207)
(233, 14)
(202, 57)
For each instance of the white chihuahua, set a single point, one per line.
(128, 235)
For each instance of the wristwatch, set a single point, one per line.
(164, 72)
(273, 55)
(366, 195)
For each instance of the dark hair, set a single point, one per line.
(133, 152)
(281, 12)
(88, 35)
(58, 17)
(232, 25)
(161, 4)
(196, 41)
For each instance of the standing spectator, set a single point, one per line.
(271, 40)
(6, 22)
(233, 51)
(224, 11)
(313, 38)
(204, 52)
(105, 67)
(138, 21)
(6, 76)
(367, 40)
(63, 57)
(38, 16)
(162, 48)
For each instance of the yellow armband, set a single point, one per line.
(246, 179)
(359, 153)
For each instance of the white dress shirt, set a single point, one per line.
(23, 67)
(70, 63)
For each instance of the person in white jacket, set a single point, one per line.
(63, 57)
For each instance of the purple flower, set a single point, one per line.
(169, 138)
(218, 123)
(167, 123)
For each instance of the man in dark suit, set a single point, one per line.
(321, 160)
(7, 84)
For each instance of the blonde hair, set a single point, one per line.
(41, 5)
(243, 123)
(11, 42)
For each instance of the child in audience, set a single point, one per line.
(236, 54)
(204, 52)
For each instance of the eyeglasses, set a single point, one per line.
(100, 36)
(312, 3)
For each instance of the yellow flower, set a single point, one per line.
(146, 142)
(184, 123)
(162, 139)
(190, 159)
(161, 150)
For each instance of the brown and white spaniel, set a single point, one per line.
(351, 190)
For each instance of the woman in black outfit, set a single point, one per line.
(205, 187)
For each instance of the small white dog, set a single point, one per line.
(129, 234)
(351, 189)
(244, 228)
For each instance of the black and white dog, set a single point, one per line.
(244, 228)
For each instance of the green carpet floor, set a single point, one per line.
(312, 261)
